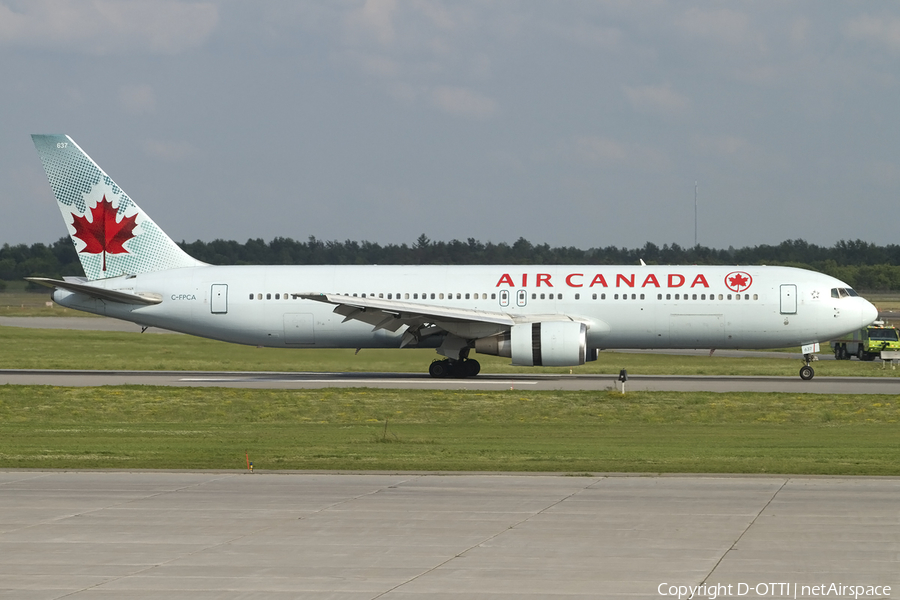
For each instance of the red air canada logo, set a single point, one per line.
(738, 281)
(103, 233)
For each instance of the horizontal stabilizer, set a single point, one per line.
(145, 298)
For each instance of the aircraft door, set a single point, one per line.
(504, 298)
(789, 299)
(521, 297)
(218, 299)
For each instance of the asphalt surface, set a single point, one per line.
(93, 535)
(76, 323)
(821, 385)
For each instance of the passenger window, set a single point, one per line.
(668, 296)
(595, 296)
(458, 296)
(278, 296)
(755, 297)
(542, 296)
(603, 296)
(694, 297)
(703, 296)
(578, 296)
(467, 296)
(659, 296)
(729, 296)
(534, 296)
(494, 296)
(720, 297)
(268, 296)
(634, 296)
(642, 296)
(251, 296)
(616, 297)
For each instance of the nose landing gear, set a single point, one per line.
(806, 371)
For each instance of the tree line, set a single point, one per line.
(862, 265)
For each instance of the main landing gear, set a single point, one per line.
(806, 371)
(466, 367)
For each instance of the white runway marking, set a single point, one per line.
(351, 381)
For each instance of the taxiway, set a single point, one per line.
(296, 380)
(101, 535)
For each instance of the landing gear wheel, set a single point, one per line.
(806, 373)
(471, 368)
(439, 369)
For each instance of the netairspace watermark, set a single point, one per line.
(772, 590)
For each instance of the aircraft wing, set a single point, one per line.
(98, 292)
(394, 314)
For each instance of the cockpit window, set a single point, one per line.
(843, 292)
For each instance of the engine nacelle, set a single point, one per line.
(548, 344)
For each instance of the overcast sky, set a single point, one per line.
(572, 123)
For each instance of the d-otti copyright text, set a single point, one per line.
(773, 590)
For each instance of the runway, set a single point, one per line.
(312, 380)
(96, 535)
(298, 380)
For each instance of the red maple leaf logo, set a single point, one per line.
(103, 233)
(738, 281)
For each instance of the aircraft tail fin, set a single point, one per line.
(111, 233)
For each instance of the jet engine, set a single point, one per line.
(548, 344)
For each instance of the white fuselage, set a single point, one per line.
(622, 306)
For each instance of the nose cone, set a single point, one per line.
(869, 313)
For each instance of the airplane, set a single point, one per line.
(535, 315)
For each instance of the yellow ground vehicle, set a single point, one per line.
(867, 343)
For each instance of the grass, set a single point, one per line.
(360, 429)
(22, 348)
(577, 432)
